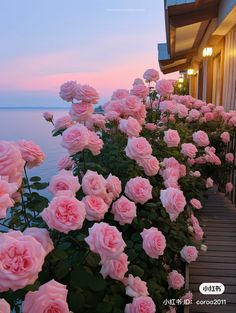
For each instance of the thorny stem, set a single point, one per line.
(27, 179)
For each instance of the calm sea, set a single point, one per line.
(29, 124)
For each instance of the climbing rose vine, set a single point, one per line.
(121, 222)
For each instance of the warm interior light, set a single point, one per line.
(181, 80)
(207, 52)
(190, 71)
(180, 85)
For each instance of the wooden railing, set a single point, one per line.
(231, 147)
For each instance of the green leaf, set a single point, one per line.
(104, 308)
(35, 178)
(98, 284)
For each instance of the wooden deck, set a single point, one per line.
(218, 264)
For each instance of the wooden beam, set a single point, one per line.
(175, 68)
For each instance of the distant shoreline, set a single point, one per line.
(34, 108)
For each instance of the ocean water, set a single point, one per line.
(29, 124)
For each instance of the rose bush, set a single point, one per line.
(122, 221)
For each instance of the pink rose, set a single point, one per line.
(201, 138)
(81, 112)
(229, 187)
(138, 81)
(94, 184)
(229, 157)
(136, 287)
(6, 192)
(196, 203)
(64, 213)
(139, 190)
(115, 268)
(182, 170)
(130, 127)
(95, 208)
(187, 298)
(173, 201)
(63, 122)
(150, 165)
(48, 116)
(194, 114)
(21, 260)
(68, 91)
(105, 240)
(164, 87)
(50, 297)
(154, 242)
(188, 150)
(175, 280)
(225, 137)
(141, 305)
(42, 236)
(124, 210)
(31, 153)
(209, 116)
(4, 306)
(181, 110)
(150, 126)
(171, 138)
(120, 94)
(131, 105)
(151, 75)
(140, 91)
(65, 180)
(138, 148)
(168, 106)
(113, 185)
(189, 253)
(171, 162)
(75, 138)
(112, 116)
(209, 182)
(65, 163)
(96, 121)
(86, 93)
(95, 143)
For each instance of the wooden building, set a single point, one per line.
(201, 38)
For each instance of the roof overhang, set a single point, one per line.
(186, 24)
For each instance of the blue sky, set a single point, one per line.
(102, 43)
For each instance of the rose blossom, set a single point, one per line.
(175, 280)
(105, 240)
(138, 81)
(141, 305)
(95, 143)
(196, 203)
(75, 138)
(113, 185)
(171, 138)
(139, 190)
(229, 187)
(94, 184)
(229, 157)
(86, 93)
(115, 268)
(154, 242)
(225, 137)
(42, 236)
(164, 87)
(120, 94)
(136, 287)
(68, 90)
(96, 121)
(81, 112)
(181, 110)
(171, 310)
(209, 182)
(130, 127)
(124, 210)
(131, 105)
(64, 213)
(194, 114)
(50, 297)
(31, 153)
(6, 191)
(188, 150)
(168, 106)
(63, 122)
(150, 165)
(201, 138)
(64, 180)
(189, 253)
(65, 163)
(21, 259)
(150, 126)
(95, 208)
(138, 148)
(151, 75)
(4, 306)
(48, 116)
(188, 296)
(173, 201)
(140, 91)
